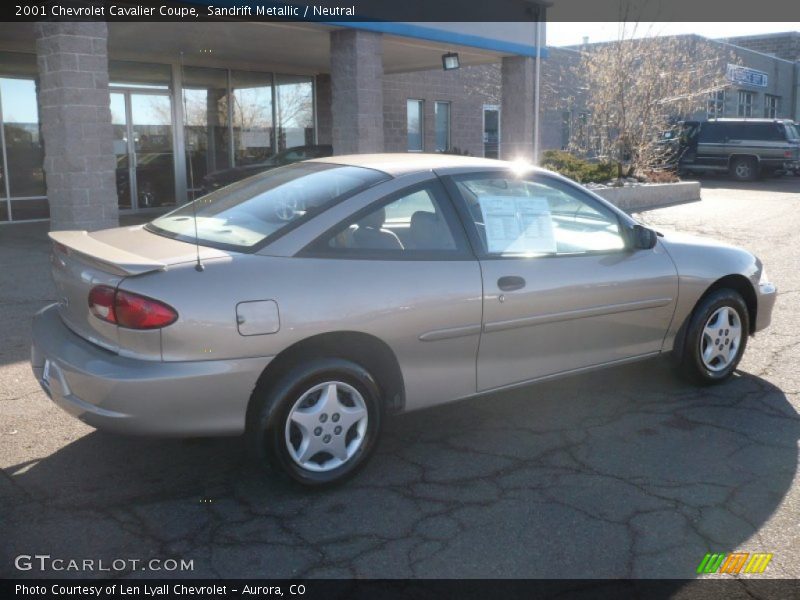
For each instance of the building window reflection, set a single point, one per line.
(206, 135)
(251, 117)
(294, 111)
(22, 179)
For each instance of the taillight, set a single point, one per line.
(788, 153)
(101, 303)
(130, 310)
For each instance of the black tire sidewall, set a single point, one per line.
(266, 423)
(692, 362)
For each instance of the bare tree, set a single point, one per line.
(638, 87)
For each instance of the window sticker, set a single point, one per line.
(519, 225)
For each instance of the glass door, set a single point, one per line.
(142, 124)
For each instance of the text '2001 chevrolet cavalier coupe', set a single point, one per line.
(302, 305)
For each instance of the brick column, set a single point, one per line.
(323, 104)
(76, 127)
(516, 115)
(357, 91)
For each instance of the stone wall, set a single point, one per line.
(75, 118)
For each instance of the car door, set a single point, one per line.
(400, 269)
(561, 289)
(712, 148)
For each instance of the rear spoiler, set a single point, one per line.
(107, 257)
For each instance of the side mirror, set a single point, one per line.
(643, 238)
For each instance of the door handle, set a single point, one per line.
(509, 283)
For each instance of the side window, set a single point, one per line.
(711, 133)
(536, 216)
(410, 224)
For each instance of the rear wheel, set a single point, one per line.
(744, 168)
(716, 337)
(318, 424)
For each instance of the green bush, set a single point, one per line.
(578, 169)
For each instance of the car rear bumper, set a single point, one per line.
(133, 396)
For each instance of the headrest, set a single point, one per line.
(374, 220)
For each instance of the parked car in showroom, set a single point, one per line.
(303, 305)
(214, 181)
(744, 148)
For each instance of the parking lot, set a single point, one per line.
(628, 472)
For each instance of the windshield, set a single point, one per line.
(243, 215)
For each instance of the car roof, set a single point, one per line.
(747, 120)
(412, 162)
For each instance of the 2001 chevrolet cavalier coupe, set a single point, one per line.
(300, 305)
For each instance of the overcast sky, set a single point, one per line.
(566, 34)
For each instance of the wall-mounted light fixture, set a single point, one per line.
(450, 61)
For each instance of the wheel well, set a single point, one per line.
(739, 283)
(366, 350)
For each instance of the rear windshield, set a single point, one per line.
(791, 132)
(255, 211)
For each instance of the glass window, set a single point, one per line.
(151, 76)
(715, 106)
(746, 102)
(23, 144)
(151, 124)
(252, 117)
(534, 216)
(442, 119)
(414, 124)
(410, 222)
(294, 110)
(30, 208)
(246, 213)
(205, 99)
(771, 106)
(712, 133)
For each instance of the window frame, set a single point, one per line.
(624, 223)
(421, 105)
(318, 248)
(715, 104)
(743, 105)
(772, 106)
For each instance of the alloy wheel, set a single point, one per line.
(722, 336)
(326, 426)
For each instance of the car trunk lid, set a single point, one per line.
(82, 260)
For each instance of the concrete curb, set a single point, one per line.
(650, 196)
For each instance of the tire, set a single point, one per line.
(301, 410)
(701, 360)
(744, 168)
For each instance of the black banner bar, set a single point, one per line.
(383, 589)
(332, 11)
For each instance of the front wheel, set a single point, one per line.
(319, 423)
(716, 337)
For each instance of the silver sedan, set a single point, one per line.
(302, 305)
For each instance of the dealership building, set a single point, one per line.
(102, 118)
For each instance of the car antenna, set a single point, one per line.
(199, 267)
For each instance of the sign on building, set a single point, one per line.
(747, 76)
